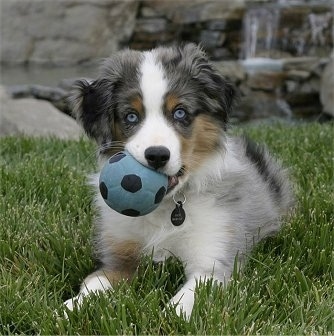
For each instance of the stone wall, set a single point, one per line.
(77, 31)
(290, 91)
(227, 29)
(64, 32)
(297, 32)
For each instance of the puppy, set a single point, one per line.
(169, 108)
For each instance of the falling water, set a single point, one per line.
(260, 30)
(319, 23)
(267, 35)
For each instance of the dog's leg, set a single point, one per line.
(185, 297)
(99, 281)
(125, 262)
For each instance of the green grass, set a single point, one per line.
(45, 228)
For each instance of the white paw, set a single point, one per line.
(72, 303)
(75, 301)
(92, 285)
(183, 303)
(69, 304)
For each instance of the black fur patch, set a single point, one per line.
(95, 102)
(256, 154)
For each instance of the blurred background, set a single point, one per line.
(279, 53)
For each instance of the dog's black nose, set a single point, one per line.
(157, 156)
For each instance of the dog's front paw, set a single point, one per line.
(183, 303)
(70, 303)
(74, 302)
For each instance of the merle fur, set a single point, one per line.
(98, 105)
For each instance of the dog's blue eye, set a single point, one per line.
(132, 118)
(179, 114)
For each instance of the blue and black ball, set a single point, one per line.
(131, 188)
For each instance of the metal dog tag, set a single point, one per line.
(178, 214)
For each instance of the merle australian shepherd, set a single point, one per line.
(169, 107)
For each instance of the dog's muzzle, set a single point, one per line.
(173, 181)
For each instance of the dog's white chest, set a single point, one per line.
(188, 239)
(203, 234)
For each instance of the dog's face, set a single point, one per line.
(168, 107)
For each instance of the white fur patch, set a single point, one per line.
(92, 285)
(153, 84)
(155, 130)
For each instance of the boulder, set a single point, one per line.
(148, 25)
(64, 31)
(34, 117)
(302, 98)
(203, 10)
(211, 39)
(265, 81)
(233, 70)
(258, 105)
(298, 75)
(327, 88)
(299, 63)
(56, 95)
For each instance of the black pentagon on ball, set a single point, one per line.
(104, 190)
(117, 157)
(160, 195)
(131, 183)
(131, 212)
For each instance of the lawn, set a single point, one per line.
(45, 228)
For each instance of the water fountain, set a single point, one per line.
(271, 32)
(260, 30)
(283, 43)
(260, 27)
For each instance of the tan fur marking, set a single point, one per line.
(114, 277)
(126, 252)
(124, 262)
(171, 102)
(137, 104)
(203, 141)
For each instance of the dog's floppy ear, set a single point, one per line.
(220, 93)
(92, 106)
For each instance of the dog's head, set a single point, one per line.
(168, 107)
